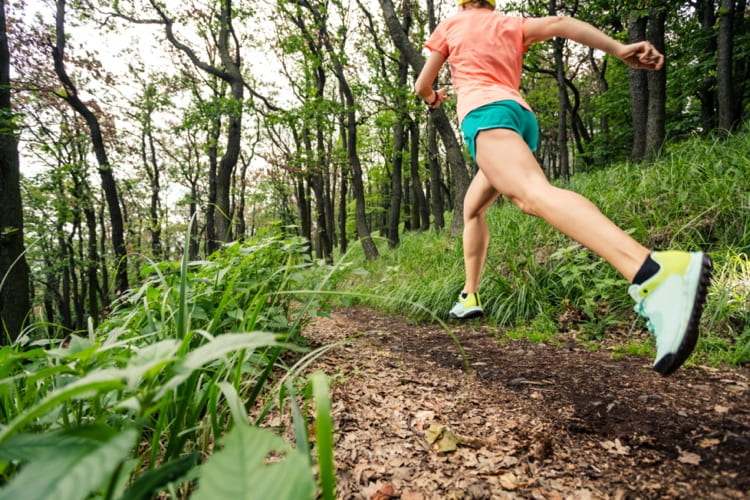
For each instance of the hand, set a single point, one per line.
(442, 95)
(641, 55)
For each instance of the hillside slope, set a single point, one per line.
(538, 282)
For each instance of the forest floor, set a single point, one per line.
(527, 420)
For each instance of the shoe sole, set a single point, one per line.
(470, 315)
(669, 363)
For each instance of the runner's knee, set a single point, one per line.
(533, 198)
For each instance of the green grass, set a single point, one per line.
(697, 195)
(157, 398)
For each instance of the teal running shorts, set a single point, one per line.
(506, 113)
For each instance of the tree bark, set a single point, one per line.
(459, 176)
(104, 291)
(212, 242)
(437, 203)
(109, 186)
(657, 86)
(343, 239)
(421, 218)
(15, 303)
(724, 70)
(563, 110)
(741, 65)
(399, 142)
(92, 259)
(148, 156)
(638, 92)
(706, 12)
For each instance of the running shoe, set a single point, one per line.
(467, 306)
(672, 302)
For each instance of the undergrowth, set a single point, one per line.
(157, 400)
(696, 196)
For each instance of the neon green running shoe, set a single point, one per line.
(468, 306)
(672, 302)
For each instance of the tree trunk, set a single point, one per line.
(63, 305)
(240, 209)
(657, 86)
(92, 259)
(109, 185)
(228, 163)
(421, 217)
(399, 143)
(15, 305)
(741, 65)
(194, 244)
(407, 202)
(343, 240)
(459, 176)
(212, 243)
(725, 50)
(562, 95)
(436, 198)
(638, 92)
(104, 292)
(152, 170)
(706, 12)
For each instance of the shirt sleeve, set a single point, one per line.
(438, 41)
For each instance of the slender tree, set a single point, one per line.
(109, 186)
(14, 271)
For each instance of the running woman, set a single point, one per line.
(485, 49)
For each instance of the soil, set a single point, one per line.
(525, 420)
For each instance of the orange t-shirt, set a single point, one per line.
(485, 52)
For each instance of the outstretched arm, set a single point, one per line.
(639, 55)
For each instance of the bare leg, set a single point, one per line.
(479, 197)
(512, 169)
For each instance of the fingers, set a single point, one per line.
(643, 55)
(442, 95)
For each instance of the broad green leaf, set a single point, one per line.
(70, 472)
(151, 359)
(241, 470)
(227, 343)
(28, 447)
(216, 348)
(96, 381)
(151, 481)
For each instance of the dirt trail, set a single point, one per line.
(533, 421)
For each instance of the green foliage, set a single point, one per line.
(695, 196)
(67, 465)
(179, 359)
(324, 435)
(240, 470)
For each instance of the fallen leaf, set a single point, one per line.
(687, 457)
(434, 433)
(509, 481)
(411, 495)
(615, 447)
(708, 442)
(448, 442)
(721, 409)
